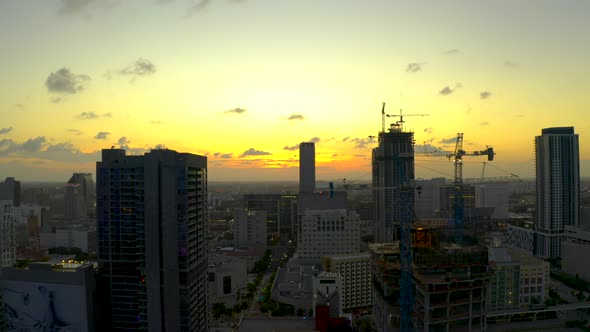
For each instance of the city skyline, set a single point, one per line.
(244, 82)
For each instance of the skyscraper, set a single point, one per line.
(393, 165)
(79, 196)
(152, 255)
(306, 167)
(558, 188)
(10, 190)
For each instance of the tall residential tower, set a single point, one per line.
(558, 188)
(152, 241)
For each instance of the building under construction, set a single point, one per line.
(393, 166)
(449, 281)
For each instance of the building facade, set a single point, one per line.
(558, 187)
(46, 297)
(227, 278)
(520, 279)
(355, 270)
(152, 238)
(79, 196)
(306, 167)
(328, 232)
(575, 248)
(249, 228)
(393, 167)
(10, 190)
(7, 234)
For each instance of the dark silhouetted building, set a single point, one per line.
(10, 190)
(152, 239)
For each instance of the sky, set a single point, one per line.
(244, 81)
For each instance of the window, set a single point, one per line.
(227, 285)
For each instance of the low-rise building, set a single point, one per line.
(227, 278)
(51, 297)
(519, 281)
(575, 248)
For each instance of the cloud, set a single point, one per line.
(426, 148)
(315, 139)
(75, 131)
(451, 140)
(511, 64)
(236, 110)
(223, 155)
(334, 155)
(345, 138)
(452, 51)
(73, 6)
(428, 130)
(92, 115)
(5, 130)
(141, 67)
(40, 148)
(484, 123)
(414, 67)
(102, 135)
(200, 5)
(63, 81)
(485, 95)
(291, 148)
(361, 143)
(156, 122)
(469, 109)
(254, 152)
(447, 90)
(123, 140)
(295, 117)
(19, 107)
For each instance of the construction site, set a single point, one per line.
(449, 288)
(421, 283)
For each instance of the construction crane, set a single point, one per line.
(457, 157)
(400, 123)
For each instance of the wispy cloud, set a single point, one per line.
(450, 140)
(362, 143)
(6, 130)
(92, 115)
(414, 67)
(485, 95)
(102, 135)
(74, 131)
(447, 90)
(236, 110)
(428, 130)
(452, 51)
(156, 122)
(223, 155)
(19, 107)
(484, 123)
(254, 152)
(64, 81)
(291, 148)
(295, 117)
(315, 139)
(511, 64)
(141, 67)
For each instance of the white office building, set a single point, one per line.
(328, 232)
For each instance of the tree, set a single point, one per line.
(219, 309)
(300, 312)
(581, 296)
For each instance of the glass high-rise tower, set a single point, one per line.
(152, 241)
(558, 188)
